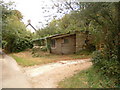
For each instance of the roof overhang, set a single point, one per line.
(62, 35)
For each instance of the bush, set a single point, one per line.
(22, 44)
(43, 48)
(18, 44)
(4, 43)
(109, 67)
(35, 50)
(39, 51)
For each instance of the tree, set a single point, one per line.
(102, 21)
(13, 29)
(103, 18)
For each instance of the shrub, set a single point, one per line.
(43, 48)
(35, 50)
(4, 43)
(109, 67)
(21, 44)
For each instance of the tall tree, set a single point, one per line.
(13, 29)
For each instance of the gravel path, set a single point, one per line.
(49, 75)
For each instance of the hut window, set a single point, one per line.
(66, 41)
(53, 42)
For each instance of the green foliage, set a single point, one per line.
(21, 44)
(39, 48)
(90, 78)
(51, 29)
(69, 23)
(102, 21)
(4, 43)
(108, 67)
(13, 29)
(36, 51)
(43, 48)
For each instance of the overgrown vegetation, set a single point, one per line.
(28, 58)
(15, 37)
(90, 78)
(106, 59)
(101, 20)
(109, 68)
(41, 51)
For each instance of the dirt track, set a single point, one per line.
(48, 76)
(45, 76)
(11, 75)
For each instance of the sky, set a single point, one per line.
(33, 10)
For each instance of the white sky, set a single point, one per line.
(32, 9)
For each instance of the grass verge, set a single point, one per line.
(87, 79)
(25, 62)
(26, 58)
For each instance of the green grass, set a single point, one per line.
(24, 62)
(87, 79)
(75, 56)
